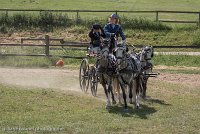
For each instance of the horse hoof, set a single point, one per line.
(126, 110)
(143, 97)
(120, 103)
(131, 102)
(114, 102)
(138, 107)
(107, 107)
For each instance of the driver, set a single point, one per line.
(113, 30)
(96, 34)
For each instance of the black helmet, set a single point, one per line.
(96, 26)
(114, 16)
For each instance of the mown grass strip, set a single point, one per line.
(171, 109)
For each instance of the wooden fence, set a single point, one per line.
(74, 45)
(157, 13)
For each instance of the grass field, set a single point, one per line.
(190, 5)
(138, 32)
(185, 5)
(144, 32)
(173, 108)
(169, 60)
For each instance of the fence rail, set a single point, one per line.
(157, 13)
(73, 45)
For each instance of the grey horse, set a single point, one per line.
(106, 69)
(127, 75)
(145, 57)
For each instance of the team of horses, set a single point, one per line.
(125, 70)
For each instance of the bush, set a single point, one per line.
(196, 39)
(143, 24)
(47, 21)
(3, 29)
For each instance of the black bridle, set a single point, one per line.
(123, 57)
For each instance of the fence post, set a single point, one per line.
(157, 16)
(47, 45)
(199, 20)
(77, 14)
(6, 13)
(22, 40)
(116, 12)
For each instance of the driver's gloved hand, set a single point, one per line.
(112, 35)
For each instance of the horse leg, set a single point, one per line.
(103, 82)
(137, 104)
(110, 90)
(124, 95)
(142, 85)
(131, 92)
(117, 89)
(134, 92)
(144, 88)
(108, 104)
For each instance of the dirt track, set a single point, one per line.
(44, 78)
(64, 79)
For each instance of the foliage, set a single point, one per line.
(196, 39)
(47, 21)
(143, 24)
(176, 60)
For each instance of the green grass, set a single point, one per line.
(175, 36)
(48, 21)
(176, 60)
(185, 5)
(103, 4)
(169, 60)
(177, 71)
(140, 29)
(173, 108)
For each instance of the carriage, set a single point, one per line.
(88, 77)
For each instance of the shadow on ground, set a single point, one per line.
(157, 101)
(143, 112)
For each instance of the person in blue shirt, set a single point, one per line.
(113, 30)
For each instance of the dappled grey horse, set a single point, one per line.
(127, 75)
(105, 71)
(145, 58)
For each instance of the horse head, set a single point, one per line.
(104, 52)
(147, 53)
(146, 56)
(120, 53)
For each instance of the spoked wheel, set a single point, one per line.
(93, 81)
(84, 75)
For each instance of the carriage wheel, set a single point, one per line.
(84, 75)
(93, 81)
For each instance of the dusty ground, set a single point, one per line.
(65, 79)
(44, 78)
(185, 79)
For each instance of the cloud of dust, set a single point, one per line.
(62, 79)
